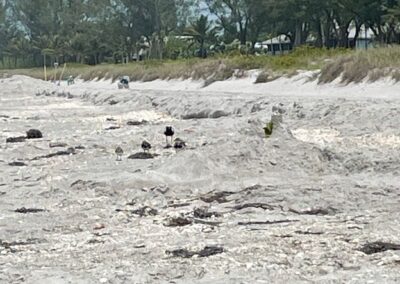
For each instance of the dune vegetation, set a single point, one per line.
(348, 65)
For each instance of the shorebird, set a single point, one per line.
(169, 132)
(119, 153)
(179, 143)
(146, 146)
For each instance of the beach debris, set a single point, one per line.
(9, 245)
(145, 211)
(17, 164)
(266, 222)
(16, 139)
(376, 247)
(68, 152)
(264, 206)
(315, 211)
(142, 156)
(146, 146)
(220, 196)
(205, 252)
(34, 134)
(169, 132)
(119, 152)
(179, 221)
(24, 210)
(57, 145)
(113, 127)
(99, 226)
(203, 213)
(136, 122)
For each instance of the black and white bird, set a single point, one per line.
(119, 153)
(179, 143)
(146, 146)
(169, 132)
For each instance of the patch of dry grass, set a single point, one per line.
(371, 65)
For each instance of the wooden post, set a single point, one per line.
(44, 66)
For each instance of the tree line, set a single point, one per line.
(96, 31)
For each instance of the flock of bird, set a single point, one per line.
(146, 146)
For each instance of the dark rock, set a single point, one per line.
(16, 139)
(4, 116)
(34, 134)
(376, 247)
(110, 119)
(17, 164)
(136, 123)
(24, 210)
(143, 156)
(178, 222)
(113, 102)
(210, 250)
(220, 197)
(205, 252)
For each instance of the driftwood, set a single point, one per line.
(142, 156)
(314, 211)
(205, 252)
(253, 205)
(220, 196)
(24, 210)
(17, 164)
(267, 222)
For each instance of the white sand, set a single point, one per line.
(338, 148)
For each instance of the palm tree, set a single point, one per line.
(201, 30)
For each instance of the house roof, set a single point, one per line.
(280, 39)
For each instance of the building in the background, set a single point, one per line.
(364, 40)
(275, 46)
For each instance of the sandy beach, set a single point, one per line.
(232, 207)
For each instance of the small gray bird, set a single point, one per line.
(146, 146)
(119, 153)
(179, 143)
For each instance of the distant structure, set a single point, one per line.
(275, 46)
(364, 40)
